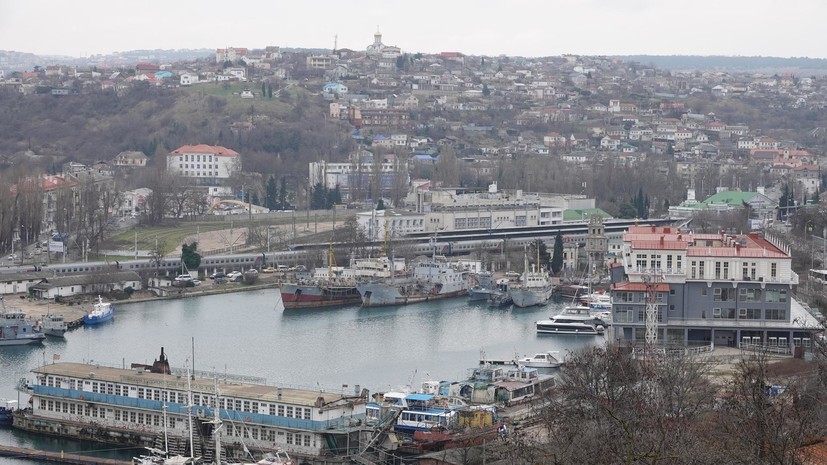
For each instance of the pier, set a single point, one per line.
(56, 457)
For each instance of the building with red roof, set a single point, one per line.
(717, 289)
(208, 165)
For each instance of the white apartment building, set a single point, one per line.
(207, 164)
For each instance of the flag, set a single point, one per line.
(55, 357)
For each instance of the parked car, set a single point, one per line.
(269, 269)
(217, 274)
(183, 277)
(196, 282)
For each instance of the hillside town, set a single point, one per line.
(670, 214)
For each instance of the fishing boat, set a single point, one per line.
(572, 320)
(101, 313)
(432, 279)
(17, 330)
(534, 287)
(541, 360)
(54, 325)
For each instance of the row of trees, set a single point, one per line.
(610, 407)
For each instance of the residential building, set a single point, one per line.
(720, 289)
(130, 159)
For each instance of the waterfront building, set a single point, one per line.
(52, 287)
(708, 288)
(137, 406)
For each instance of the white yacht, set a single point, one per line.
(573, 320)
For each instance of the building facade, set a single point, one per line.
(205, 164)
(708, 289)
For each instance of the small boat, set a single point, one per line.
(541, 360)
(54, 325)
(573, 320)
(500, 299)
(7, 411)
(17, 330)
(477, 294)
(102, 312)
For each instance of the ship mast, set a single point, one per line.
(217, 425)
(525, 266)
(189, 409)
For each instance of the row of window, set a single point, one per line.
(749, 270)
(727, 294)
(208, 158)
(178, 397)
(473, 223)
(154, 419)
(626, 314)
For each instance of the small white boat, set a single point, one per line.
(541, 360)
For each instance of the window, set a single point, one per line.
(723, 313)
(717, 270)
(723, 294)
(726, 270)
(773, 270)
(289, 438)
(701, 271)
(693, 269)
(749, 314)
(749, 295)
(307, 414)
(776, 314)
(623, 314)
(776, 295)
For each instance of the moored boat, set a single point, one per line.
(130, 406)
(534, 287)
(17, 330)
(432, 279)
(336, 286)
(101, 312)
(573, 320)
(54, 325)
(7, 411)
(541, 360)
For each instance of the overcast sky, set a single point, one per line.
(480, 27)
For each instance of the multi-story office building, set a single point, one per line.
(205, 164)
(708, 288)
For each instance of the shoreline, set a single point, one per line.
(37, 309)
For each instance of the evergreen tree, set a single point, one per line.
(270, 195)
(269, 90)
(281, 201)
(189, 256)
(380, 205)
(557, 257)
(485, 90)
(255, 198)
(318, 197)
(335, 196)
(263, 89)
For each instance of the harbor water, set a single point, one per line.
(335, 349)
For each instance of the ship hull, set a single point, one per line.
(530, 297)
(381, 295)
(306, 296)
(30, 339)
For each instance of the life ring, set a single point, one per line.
(248, 420)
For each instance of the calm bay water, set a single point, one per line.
(250, 334)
